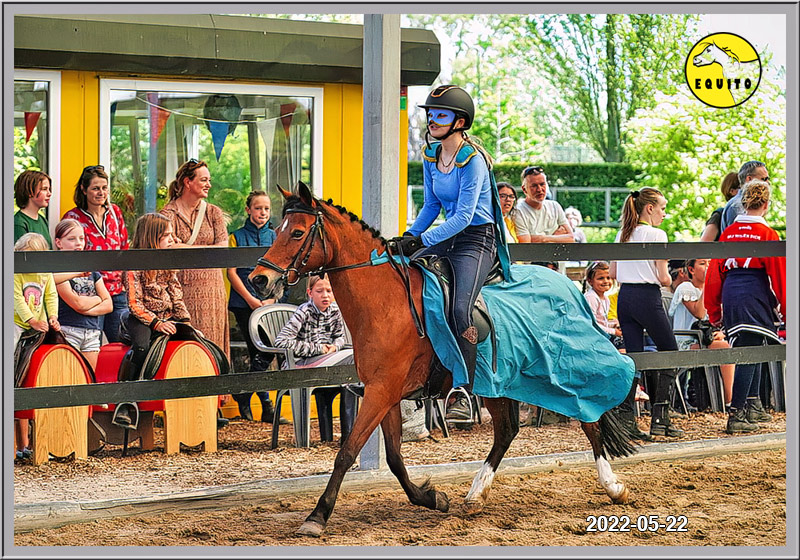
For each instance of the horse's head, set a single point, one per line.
(710, 54)
(299, 246)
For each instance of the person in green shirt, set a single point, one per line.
(32, 192)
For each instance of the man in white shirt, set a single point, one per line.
(537, 219)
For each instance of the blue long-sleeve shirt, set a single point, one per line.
(465, 194)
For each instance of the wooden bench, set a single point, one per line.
(62, 431)
(190, 421)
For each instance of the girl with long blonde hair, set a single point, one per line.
(639, 306)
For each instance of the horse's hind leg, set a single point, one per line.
(424, 495)
(505, 420)
(615, 489)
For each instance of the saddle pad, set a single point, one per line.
(551, 352)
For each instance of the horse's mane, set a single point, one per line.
(726, 50)
(295, 202)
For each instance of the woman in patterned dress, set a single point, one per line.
(203, 288)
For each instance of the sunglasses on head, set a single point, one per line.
(92, 168)
(531, 170)
(441, 117)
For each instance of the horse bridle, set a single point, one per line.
(318, 230)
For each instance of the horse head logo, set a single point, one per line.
(723, 70)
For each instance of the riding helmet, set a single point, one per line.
(454, 98)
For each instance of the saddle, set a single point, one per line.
(158, 344)
(481, 319)
(29, 341)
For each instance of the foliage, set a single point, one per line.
(512, 112)
(604, 66)
(685, 148)
(25, 154)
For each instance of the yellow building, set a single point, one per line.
(263, 101)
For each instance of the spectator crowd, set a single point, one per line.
(640, 305)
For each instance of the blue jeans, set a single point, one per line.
(471, 254)
(112, 320)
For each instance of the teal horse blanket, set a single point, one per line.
(550, 351)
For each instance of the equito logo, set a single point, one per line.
(723, 70)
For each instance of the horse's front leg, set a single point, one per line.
(505, 420)
(372, 410)
(615, 489)
(425, 495)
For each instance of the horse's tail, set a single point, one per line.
(616, 436)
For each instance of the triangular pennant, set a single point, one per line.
(287, 114)
(158, 117)
(31, 118)
(267, 130)
(219, 132)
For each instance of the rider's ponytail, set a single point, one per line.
(475, 143)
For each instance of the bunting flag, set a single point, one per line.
(287, 114)
(219, 132)
(267, 130)
(158, 117)
(31, 118)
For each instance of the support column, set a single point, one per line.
(381, 171)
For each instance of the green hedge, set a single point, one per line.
(558, 174)
(591, 205)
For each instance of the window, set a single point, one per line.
(36, 127)
(251, 137)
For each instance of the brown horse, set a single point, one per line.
(391, 359)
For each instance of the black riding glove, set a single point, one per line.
(406, 245)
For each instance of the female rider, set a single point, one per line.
(473, 234)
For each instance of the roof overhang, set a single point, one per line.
(213, 46)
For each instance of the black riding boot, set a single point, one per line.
(461, 409)
(626, 413)
(659, 416)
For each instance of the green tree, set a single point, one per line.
(604, 66)
(513, 116)
(686, 147)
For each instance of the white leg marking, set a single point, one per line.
(608, 480)
(476, 498)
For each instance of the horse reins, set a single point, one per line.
(318, 230)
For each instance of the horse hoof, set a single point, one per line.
(472, 507)
(442, 502)
(622, 497)
(310, 529)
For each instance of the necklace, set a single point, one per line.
(452, 159)
(185, 210)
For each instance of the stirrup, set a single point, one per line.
(126, 415)
(468, 398)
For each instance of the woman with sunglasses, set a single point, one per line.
(508, 199)
(104, 230)
(198, 224)
(458, 178)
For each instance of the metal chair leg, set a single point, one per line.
(277, 417)
(301, 415)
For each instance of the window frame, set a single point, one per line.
(316, 93)
(53, 77)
